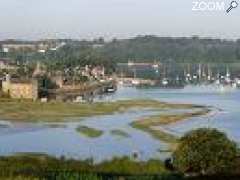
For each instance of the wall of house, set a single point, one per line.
(21, 90)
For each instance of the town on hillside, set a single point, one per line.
(80, 84)
(74, 70)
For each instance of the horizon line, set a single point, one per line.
(109, 39)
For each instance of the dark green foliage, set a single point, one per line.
(167, 49)
(140, 49)
(205, 151)
(36, 167)
(47, 167)
(75, 176)
(126, 166)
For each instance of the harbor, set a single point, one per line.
(224, 77)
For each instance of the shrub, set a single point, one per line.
(205, 151)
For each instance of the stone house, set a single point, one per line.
(18, 88)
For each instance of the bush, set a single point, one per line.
(205, 151)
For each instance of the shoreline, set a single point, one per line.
(29, 111)
(147, 125)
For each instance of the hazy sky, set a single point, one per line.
(34, 19)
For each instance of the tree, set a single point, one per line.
(205, 151)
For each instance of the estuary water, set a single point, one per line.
(63, 139)
(226, 116)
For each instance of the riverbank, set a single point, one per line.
(23, 110)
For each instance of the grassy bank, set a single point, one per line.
(17, 110)
(89, 132)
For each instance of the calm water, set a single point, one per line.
(64, 140)
(227, 120)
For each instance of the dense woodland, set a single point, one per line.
(166, 49)
(138, 49)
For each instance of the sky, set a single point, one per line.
(87, 19)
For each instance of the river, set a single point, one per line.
(64, 140)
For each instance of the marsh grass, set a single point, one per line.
(147, 124)
(24, 110)
(89, 132)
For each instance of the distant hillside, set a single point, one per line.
(167, 49)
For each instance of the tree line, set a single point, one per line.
(138, 49)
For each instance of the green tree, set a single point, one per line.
(205, 151)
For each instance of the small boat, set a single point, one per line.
(111, 89)
(165, 82)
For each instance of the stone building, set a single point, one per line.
(19, 88)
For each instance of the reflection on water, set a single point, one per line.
(62, 139)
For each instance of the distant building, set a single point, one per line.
(98, 72)
(8, 47)
(37, 46)
(18, 88)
